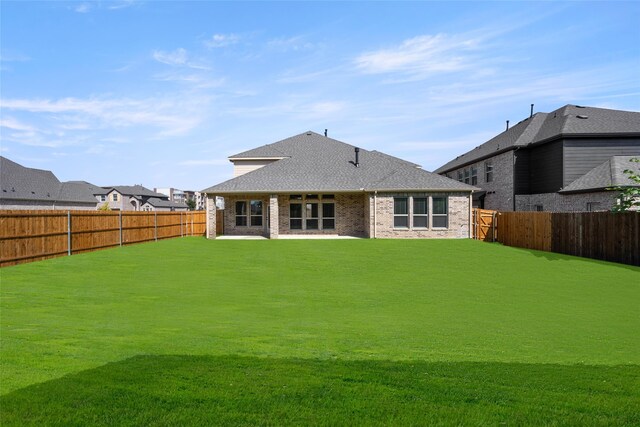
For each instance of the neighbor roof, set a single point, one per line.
(136, 191)
(163, 203)
(311, 162)
(570, 120)
(610, 174)
(21, 183)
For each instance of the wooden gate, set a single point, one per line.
(485, 225)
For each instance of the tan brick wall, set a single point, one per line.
(349, 219)
(458, 221)
(211, 216)
(230, 227)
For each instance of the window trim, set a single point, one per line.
(405, 215)
(414, 214)
(317, 199)
(488, 171)
(445, 215)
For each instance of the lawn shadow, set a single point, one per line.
(556, 256)
(238, 390)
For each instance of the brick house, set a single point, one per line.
(310, 184)
(534, 164)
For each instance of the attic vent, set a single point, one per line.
(582, 117)
(580, 106)
(309, 133)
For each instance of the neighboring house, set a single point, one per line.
(138, 198)
(310, 184)
(28, 188)
(552, 161)
(174, 194)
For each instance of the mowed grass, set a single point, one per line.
(190, 331)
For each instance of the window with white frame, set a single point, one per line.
(420, 212)
(488, 171)
(114, 197)
(400, 212)
(440, 214)
(103, 198)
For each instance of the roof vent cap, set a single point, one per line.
(309, 133)
(582, 117)
(580, 106)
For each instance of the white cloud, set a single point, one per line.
(285, 44)
(13, 124)
(421, 55)
(177, 57)
(82, 8)
(221, 40)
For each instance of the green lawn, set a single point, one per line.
(190, 331)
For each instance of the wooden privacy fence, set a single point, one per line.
(606, 236)
(35, 235)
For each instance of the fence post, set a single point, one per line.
(181, 225)
(68, 233)
(120, 225)
(191, 223)
(155, 219)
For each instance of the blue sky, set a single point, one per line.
(161, 93)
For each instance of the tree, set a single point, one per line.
(104, 207)
(629, 196)
(191, 204)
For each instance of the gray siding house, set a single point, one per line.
(310, 184)
(539, 164)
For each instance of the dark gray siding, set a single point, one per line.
(583, 154)
(521, 172)
(545, 168)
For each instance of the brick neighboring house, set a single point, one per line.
(310, 184)
(137, 198)
(553, 161)
(38, 189)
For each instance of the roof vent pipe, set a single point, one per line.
(325, 132)
(531, 115)
(357, 163)
(507, 125)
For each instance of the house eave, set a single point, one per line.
(235, 159)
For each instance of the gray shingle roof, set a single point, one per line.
(135, 190)
(315, 163)
(164, 203)
(607, 175)
(21, 183)
(570, 120)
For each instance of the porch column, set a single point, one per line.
(211, 216)
(274, 220)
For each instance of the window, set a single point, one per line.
(256, 213)
(311, 211)
(488, 171)
(103, 198)
(440, 216)
(420, 212)
(466, 176)
(539, 208)
(593, 206)
(241, 214)
(328, 215)
(295, 216)
(460, 178)
(400, 212)
(474, 175)
(114, 197)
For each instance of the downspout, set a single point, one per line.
(375, 210)
(471, 236)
